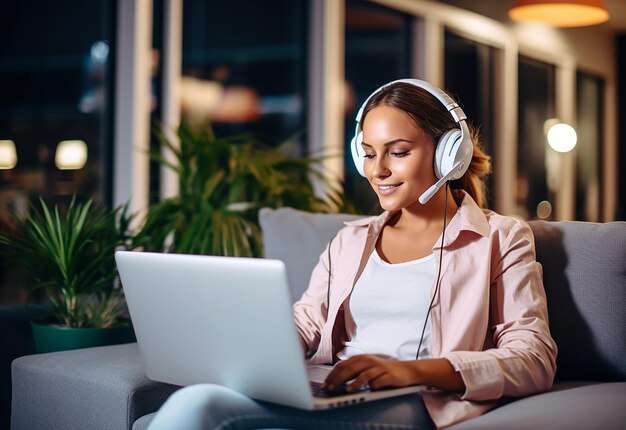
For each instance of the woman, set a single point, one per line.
(435, 291)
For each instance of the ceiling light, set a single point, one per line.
(560, 13)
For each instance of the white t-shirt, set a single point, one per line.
(389, 304)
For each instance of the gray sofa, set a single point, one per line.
(16, 339)
(585, 279)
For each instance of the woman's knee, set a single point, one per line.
(202, 406)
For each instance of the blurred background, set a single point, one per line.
(84, 81)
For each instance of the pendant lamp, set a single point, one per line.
(71, 155)
(8, 155)
(560, 13)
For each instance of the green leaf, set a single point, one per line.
(223, 182)
(70, 256)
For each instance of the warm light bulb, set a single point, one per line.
(8, 155)
(562, 137)
(71, 155)
(560, 13)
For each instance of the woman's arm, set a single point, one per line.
(311, 310)
(378, 372)
(522, 356)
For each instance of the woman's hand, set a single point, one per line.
(371, 370)
(378, 372)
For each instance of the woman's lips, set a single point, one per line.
(387, 189)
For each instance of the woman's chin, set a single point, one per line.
(392, 205)
(389, 205)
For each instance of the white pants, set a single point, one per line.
(207, 406)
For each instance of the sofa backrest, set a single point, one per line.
(584, 273)
(584, 270)
(298, 238)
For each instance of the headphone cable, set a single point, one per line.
(432, 301)
(329, 275)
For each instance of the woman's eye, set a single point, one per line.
(370, 156)
(400, 154)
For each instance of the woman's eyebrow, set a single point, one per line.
(391, 142)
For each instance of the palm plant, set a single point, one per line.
(70, 257)
(223, 182)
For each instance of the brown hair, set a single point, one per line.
(431, 116)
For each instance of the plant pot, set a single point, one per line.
(49, 337)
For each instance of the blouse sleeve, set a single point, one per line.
(523, 360)
(311, 310)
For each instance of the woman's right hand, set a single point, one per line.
(378, 372)
(373, 371)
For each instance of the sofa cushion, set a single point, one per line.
(584, 271)
(298, 238)
(593, 406)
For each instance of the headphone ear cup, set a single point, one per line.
(446, 151)
(356, 149)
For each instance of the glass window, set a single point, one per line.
(589, 147)
(56, 76)
(469, 77)
(378, 50)
(535, 199)
(244, 66)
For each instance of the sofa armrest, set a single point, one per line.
(94, 388)
(16, 340)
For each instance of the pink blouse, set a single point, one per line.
(490, 320)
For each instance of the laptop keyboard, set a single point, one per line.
(318, 391)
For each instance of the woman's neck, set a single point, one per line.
(420, 217)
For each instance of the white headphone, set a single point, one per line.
(454, 150)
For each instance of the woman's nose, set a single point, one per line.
(380, 168)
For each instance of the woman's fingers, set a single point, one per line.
(365, 378)
(362, 370)
(344, 371)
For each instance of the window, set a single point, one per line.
(589, 147)
(244, 66)
(378, 50)
(535, 199)
(56, 75)
(469, 77)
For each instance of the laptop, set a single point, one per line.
(225, 321)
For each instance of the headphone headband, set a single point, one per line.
(447, 101)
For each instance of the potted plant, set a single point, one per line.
(223, 182)
(69, 257)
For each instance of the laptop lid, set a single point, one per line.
(207, 319)
(226, 321)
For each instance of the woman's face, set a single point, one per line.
(398, 157)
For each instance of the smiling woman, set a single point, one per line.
(435, 291)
